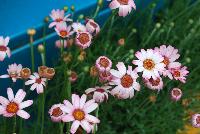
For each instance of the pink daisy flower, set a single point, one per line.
(150, 63)
(78, 112)
(78, 27)
(170, 55)
(103, 63)
(105, 76)
(156, 84)
(4, 50)
(37, 83)
(125, 6)
(92, 27)
(125, 81)
(83, 39)
(14, 105)
(13, 72)
(196, 120)
(179, 73)
(63, 30)
(56, 113)
(58, 16)
(176, 94)
(99, 94)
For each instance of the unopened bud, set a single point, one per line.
(49, 73)
(158, 25)
(40, 48)
(86, 69)
(190, 21)
(94, 71)
(41, 71)
(121, 42)
(134, 30)
(65, 8)
(81, 16)
(46, 19)
(31, 32)
(100, 2)
(73, 8)
(25, 73)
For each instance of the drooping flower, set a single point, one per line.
(92, 27)
(58, 16)
(78, 112)
(36, 82)
(56, 113)
(99, 94)
(156, 84)
(103, 63)
(13, 72)
(196, 120)
(125, 6)
(176, 94)
(63, 30)
(170, 55)
(179, 73)
(83, 39)
(78, 27)
(150, 63)
(125, 81)
(14, 105)
(4, 50)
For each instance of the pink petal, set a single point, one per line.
(83, 100)
(90, 108)
(121, 67)
(75, 100)
(20, 95)
(123, 11)
(86, 126)
(4, 76)
(92, 119)
(23, 114)
(68, 118)
(2, 110)
(74, 126)
(4, 101)
(114, 4)
(10, 94)
(8, 52)
(2, 55)
(34, 86)
(25, 104)
(29, 82)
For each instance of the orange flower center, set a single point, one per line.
(57, 112)
(166, 61)
(154, 82)
(84, 38)
(78, 114)
(12, 107)
(38, 81)
(50, 71)
(104, 62)
(148, 64)
(177, 73)
(198, 120)
(93, 24)
(59, 20)
(126, 81)
(176, 93)
(63, 33)
(3, 48)
(25, 72)
(123, 2)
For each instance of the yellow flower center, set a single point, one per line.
(148, 64)
(78, 114)
(12, 107)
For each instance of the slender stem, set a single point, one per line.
(32, 54)
(44, 41)
(14, 124)
(96, 12)
(149, 38)
(62, 47)
(61, 127)
(43, 59)
(96, 114)
(43, 103)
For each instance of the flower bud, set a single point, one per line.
(188, 59)
(31, 32)
(73, 8)
(131, 51)
(46, 19)
(134, 30)
(65, 8)
(121, 42)
(158, 25)
(73, 76)
(40, 48)
(25, 73)
(100, 2)
(67, 57)
(49, 73)
(190, 21)
(94, 71)
(81, 16)
(152, 98)
(41, 71)
(86, 69)
(172, 24)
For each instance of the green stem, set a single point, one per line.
(96, 12)
(44, 41)
(61, 127)
(43, 59)
(42, 112)
(32, 54)
(14, 124)
(149, 38)
(96, 114)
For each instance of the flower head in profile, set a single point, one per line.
(125, 81)
(196, 120)
(99, 94)
(176, 94)
(78, 27)
(103, 63)
(14, 105)
(170, 55)
(156, 84)
(92, 27)
(150, 63)
(63, 30)
(125, 6)
(179, 73)
(37, 83)
(58, 16)
(83, 39)
(78, 113)
(4, 49)
(13, 72)
(56, 113)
